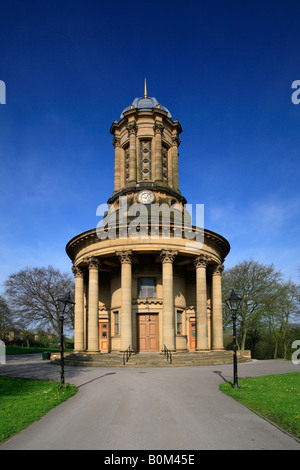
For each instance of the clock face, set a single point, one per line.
(145, 197)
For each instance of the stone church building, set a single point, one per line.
(147, 291)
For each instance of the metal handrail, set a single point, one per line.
(168, 353)
(127, 354)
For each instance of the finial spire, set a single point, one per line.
(145, 90)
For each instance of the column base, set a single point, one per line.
(218, 349)
(202, 350)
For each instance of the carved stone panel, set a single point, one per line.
(165, 165)
(145, 160)
(126, 165)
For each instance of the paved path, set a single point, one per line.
(148, 409)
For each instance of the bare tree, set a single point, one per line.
(32, 295)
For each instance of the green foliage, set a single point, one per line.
(262, 344)
(275, 397)
(13, 349)
(23, 401)
(268, 309)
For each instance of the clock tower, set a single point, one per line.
(147, 287)
(146, 141)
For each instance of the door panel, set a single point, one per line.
(192, 335)
(104, 337)
(147, 332)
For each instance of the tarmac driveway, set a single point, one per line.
(178, 408)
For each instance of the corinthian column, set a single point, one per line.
(158, 129)
(217, 317)
(93, 305)
(116, 143)
(167, 257)
(201, 303)
(174, 150)
(132, 129)
(79, 309)
(125, 258)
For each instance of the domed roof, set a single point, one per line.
(145, 102)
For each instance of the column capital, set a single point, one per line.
(168, 256)
(132, 128)
(116, 142)
(158, 128)
(218, 269)
(93, 262)
(77, 271)
(175, 141)
(125, 256)
(201, 261)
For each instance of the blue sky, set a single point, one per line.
(223, 68)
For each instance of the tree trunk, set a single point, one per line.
(285, 350)
(243, 343)
(276, 349)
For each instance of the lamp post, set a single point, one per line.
(62, 304)
(233, 303)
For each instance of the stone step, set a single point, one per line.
(151, 359)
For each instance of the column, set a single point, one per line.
(201, 303)
(132, 129)
(79, 309)
(125, 258)
(158, 129)
(174, 150)
(167, 257)
(116, 144)
(217, 316)
(93, 305)
(122, 167)
(170, 167)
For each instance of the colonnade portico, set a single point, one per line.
(87, 312)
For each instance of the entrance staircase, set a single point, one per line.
(152, 359)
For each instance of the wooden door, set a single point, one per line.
(104, 337)
(147, 332)
(192, 335)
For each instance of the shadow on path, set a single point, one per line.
(96, 378)
(220, 374)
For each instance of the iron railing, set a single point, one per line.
(168, 354)
(127, 354)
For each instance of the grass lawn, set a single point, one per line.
(11, 350)
(275, 397)
(23, 401)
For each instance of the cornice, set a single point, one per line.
(151, 112)
(90, 236)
